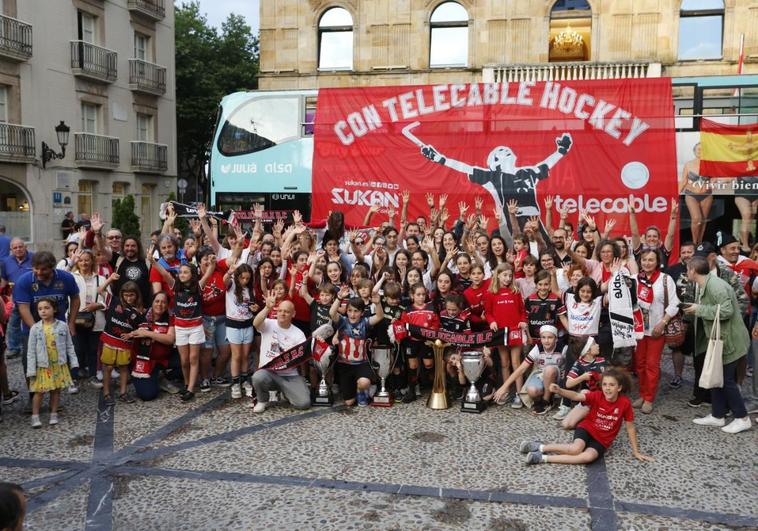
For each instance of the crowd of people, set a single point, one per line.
(218, 305)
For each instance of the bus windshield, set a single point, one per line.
(260, 124)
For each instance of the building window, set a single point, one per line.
(335, 40)
(89, 118)
(449, 36)
(141, 46)
(570, 31)
(85, 197)
(144, 127)
(15, 211)
(87, 27)
(701, 29)
(118, 193)
(3, 103)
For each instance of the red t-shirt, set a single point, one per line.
(603, 421)
(214, 292)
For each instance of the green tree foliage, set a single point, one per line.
(209, 65)
(124, 217)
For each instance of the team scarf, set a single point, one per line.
(456, 339)
(188, 211)
(621, 313)
(744, 268)
(645, 288)
(299, 354)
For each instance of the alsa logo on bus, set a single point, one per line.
(340, 196)
(252, 167)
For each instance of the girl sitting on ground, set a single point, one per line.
(596, 433)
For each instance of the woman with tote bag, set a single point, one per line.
(722, 329)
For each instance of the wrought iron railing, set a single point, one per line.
(94, 61)
(152, 8)
(97, 150)
(148, 77)
(16, 142)
(15, 38)
(149, 157)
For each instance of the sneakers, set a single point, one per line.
(36, 422)
(647, 408)
(409, 395)
(114, 374)
(221, 381)
(638, 403)
(529, 446)
(94, 382)
(205, 386)
(260, 407)
(12, 397)
(187, 396)
(737, 425)
(73, 389)
(675, 382)
(168, 386)
(53, 419)
(542, 407)
(248, 388)
(696, 402)
(562, 412)
(362, 398)
(517, 403)
(710, 420)
(534, 458)
(236, 391)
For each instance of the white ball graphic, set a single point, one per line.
(635, 175)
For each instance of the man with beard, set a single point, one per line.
(678, 273)
(133, 267)
(560, 253)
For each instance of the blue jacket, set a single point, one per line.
(36, 354)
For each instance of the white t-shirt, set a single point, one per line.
(239, 311)
(583, 317)
(543, 359)
(275, 340)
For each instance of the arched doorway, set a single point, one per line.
(15, 210)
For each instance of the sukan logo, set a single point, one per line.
(340, 196)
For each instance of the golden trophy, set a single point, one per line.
(438, 398)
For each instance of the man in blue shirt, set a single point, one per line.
(45, 281)
(5, 243)
(11, 268)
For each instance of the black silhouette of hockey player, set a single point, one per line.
(506, 181)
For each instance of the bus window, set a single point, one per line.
(310, 116)
(259, 124)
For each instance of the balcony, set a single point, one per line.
(148, 157)
(15, 39)
(95, 151)
(568, 71)
(147, 78)
(94, 62)
(152, 9)
(16, 143)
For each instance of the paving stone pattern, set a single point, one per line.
(213, 464)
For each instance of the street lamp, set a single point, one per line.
(48, 154)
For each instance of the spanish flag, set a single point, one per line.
(728, 150)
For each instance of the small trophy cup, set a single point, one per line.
(323, 394)
(381, 358)
(473, 366)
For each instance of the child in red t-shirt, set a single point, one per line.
(596, 433)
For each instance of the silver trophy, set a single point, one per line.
(382, 359)
(473, 366)
(323, 395)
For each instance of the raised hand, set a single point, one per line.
(390, 212)
(96, 222)
(483, 221)
(114, 277)
(609, 224)
(512, 207)
(462, 209)
(471, 221)
(497, 214)
(376, 207)
(258, 211)
(549, 202)
(478, 202)
(444, 216)
(343, 293)
(195, 225)
(674, 206)
(442, 200)
(201, 211)
(430, 200)
(297, 217)
(406, 197)
(270, 300)
(563, 211)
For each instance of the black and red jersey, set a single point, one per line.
(541, 311)
(187, 309)
(120, 319)
(425, 317)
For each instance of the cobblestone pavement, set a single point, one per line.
(213, 464)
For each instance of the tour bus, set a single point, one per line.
(263, 144)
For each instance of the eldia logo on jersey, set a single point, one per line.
(611, 205)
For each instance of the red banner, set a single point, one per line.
(589, 144)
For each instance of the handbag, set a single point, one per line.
(713, 366)
(86, 320)
(674, 330)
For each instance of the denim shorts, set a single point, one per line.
(535, 380)
(239, 336)
(215, 331)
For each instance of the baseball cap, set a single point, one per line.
(724, 238)
(704, 249)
